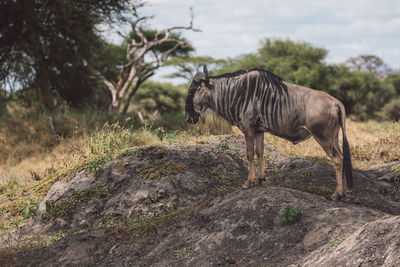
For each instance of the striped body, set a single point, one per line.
(262, 99)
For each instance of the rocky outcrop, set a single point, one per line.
(183, 206)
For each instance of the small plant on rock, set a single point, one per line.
(223, 144)
(336, 242)
(289, 215)
(30, 209)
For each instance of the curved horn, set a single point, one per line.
(205, 72)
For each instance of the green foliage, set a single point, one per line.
(362, 93)
(30, 209)
(391, 110)
(296, 62)
(162, 97)
(289, 215)
(171, 122)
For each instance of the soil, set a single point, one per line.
(183, 206)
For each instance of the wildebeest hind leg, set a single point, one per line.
(331, 148)
(260, 157)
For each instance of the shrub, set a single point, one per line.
(391, 110)
(289, 215)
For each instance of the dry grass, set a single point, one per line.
(29, 151)
(372, 144)
(210, 123)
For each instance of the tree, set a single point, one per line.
(368, 63)
(297, 62)
(189, 66)
(146, 50)
(42, 43)
(161, 98)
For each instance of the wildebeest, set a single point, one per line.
(257, 101)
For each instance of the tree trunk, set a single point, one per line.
(42, 82)
(115, 105)
(131, 94)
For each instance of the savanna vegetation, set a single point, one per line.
(71, 100)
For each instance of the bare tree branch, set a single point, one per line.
(138, 67)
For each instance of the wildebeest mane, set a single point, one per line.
(273, 81)
(230, 74)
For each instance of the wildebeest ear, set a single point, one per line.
(199, 77)
(205, 72)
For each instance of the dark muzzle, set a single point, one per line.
(191, 115)
(192, 118)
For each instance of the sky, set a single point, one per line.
(346, 28)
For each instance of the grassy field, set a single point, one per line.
(30, 151)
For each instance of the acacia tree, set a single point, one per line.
(189, 66)
(369, 63)
(146, 50)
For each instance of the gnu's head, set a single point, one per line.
(196, 99)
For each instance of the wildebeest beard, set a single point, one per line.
(191, 115)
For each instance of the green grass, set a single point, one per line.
(289, 215)
(181, 253)
(336, 242)
(68, 206)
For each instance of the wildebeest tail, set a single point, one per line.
(347, 166)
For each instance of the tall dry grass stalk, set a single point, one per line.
(210, 123)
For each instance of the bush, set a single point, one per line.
(161, 97)
(391, 110)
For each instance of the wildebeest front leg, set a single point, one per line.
(260, 156)
(250, 158)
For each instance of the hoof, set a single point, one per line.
(244, 187)
(335, 200)
(331, 199)
(260, 180)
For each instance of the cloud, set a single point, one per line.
(230, 28)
